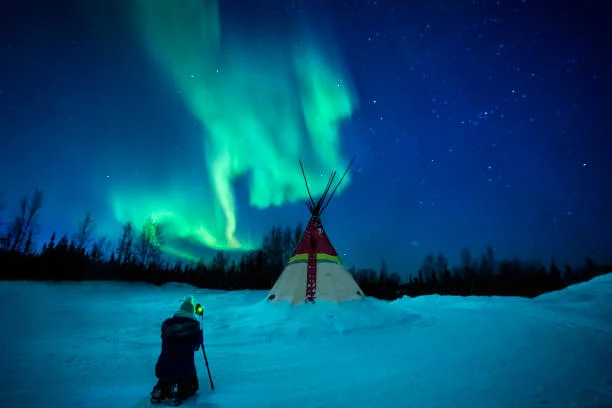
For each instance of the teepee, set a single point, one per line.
(315, 271)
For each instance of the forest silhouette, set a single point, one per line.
(138, 255)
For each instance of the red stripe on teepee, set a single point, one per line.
(311, 277)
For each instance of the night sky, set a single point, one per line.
(473, 123)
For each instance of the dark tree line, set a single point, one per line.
(138, 255)
(485, 276)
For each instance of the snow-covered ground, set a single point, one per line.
(96, 344)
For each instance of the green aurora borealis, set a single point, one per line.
(472, 125)
(263, 102)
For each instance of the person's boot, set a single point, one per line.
(156, 395)
(173, 398)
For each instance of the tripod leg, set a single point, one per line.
(212, 385)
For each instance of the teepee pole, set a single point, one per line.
(312, 203)
(338, 185)
(325, 192)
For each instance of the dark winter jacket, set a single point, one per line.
(181, 337)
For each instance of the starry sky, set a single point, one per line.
(473, 123)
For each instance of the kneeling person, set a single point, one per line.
(175, 369)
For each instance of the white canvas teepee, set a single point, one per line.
(315, 271)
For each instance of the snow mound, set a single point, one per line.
(597, 290)
(586, 304)
(283, 320)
